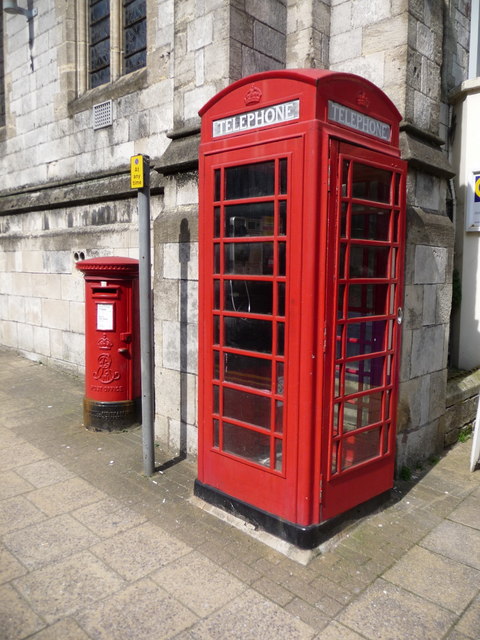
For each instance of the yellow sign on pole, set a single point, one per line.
(136, 172)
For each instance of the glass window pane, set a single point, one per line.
(216, 258)
(371, 183)
(280, 378)
(248, 371)
(247, 444)
(282, 259)
(253, 258)
(216, 433)
(282, 224)
(278, 454)
(360, 447)
(369, 223)
(248, 296)
(246, 407)
(216, 226)
(216, 397)
(216, 330)
(253, 219)
(281, 298)
(279, 416)
(365, 337)
(250, 181)
(369, 262)
(343, 220)
(248, 334)
(217, 185)
(362, 411)
(216, 365)
(280, 338)
(216, 294)
(361, 375)
(367, 300)
(283, 176)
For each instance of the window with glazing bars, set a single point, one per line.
(99, 42)
(134, 35)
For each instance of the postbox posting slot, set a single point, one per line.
(105, 292)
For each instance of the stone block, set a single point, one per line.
(430, 265)
(341, 19)
(346, 46)
(436, 400)
(241, 28)
(200, 32)
(180, 346)
(370, 67)
(25, 336)
(268, 41)
(33, 310)
(368, 12)
(413, 403)
(444, 303)
(176, 398)
(413, 307)
(181, 261)
(182, 437)
(429, 304)
(41, 340)
(56, 314)
(271, 12)
(385, 35)
(166, 300)
(427, 350)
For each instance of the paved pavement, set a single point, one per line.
(90, 548)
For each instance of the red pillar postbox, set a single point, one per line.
(112, 343)
(302, 209)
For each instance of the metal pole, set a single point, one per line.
(146, 334)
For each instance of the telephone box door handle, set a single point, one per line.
(399, 315)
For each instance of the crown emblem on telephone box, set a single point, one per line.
(253, 95)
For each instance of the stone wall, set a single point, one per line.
(65, 188)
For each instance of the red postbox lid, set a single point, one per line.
(112, 265)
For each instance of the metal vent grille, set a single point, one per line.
(102, 114)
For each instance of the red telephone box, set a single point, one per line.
(302, 209)
(112, 343)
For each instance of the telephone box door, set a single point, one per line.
(250, 227)
(365, 254)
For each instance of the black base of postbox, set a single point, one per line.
(111, 416)
(303, 537)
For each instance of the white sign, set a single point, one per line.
(105, 317)
(358, 121)
(265, 117)
(472, 220)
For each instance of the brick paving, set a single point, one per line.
(90, 548)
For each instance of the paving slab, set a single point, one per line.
(17, 620)
(141, 611)
(468, 512)
(108, 517)
(18, 512)
(441, 580)
(470, 621)
(455, 541)
(64, 496)
(140, 551)
(49, 541)
(44, 473)
(387, 612)
(63, 588)
(198, 583)
(250, 617)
